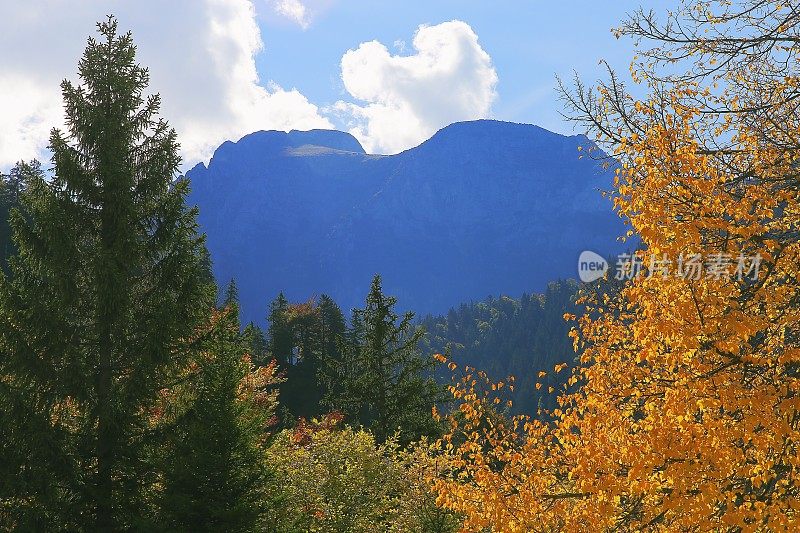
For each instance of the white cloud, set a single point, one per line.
(27, 112)
(295, 11)
(407, 98)
(201, 59)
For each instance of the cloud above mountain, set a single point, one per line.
(201, 60)
(406, 98)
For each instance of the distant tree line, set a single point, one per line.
(512, 337)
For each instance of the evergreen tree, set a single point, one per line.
(333, 337)
(517, 337)
(206, 266)
(255, 343)
(307, 335)
(387, 385)
(280, 342)
(12, 185)
(216, 478)
(107, 284)
(332, 327)
(300, 393)
(231, 295)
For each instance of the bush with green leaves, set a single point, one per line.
(338, 479)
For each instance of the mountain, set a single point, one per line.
(482, 207)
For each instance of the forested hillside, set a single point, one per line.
(507, 336)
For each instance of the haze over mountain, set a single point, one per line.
(482, 208)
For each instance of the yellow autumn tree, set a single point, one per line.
(685, 415)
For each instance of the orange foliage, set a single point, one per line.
(687, 413)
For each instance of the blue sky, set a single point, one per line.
(389, 73)
(529, 43)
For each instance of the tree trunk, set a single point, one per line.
(105, 436)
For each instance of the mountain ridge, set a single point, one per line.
(482, 207)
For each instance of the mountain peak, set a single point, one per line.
(333, 139)
(499, 128)
(274, 143)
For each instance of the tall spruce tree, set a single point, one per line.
(107, 283)
(332, 327)
(231, 295)
(280, 341)
(12, 185)
(333, 337)
(256, 343)
(387, 385)
(216, 478)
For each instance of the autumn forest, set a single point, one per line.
(133, 398)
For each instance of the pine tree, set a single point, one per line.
(255, 343)
(107, 283)
(333, 337)
(12, 185)
(280, 342)
(387, 385)
(206, 266)
(332, 326)
(301, 394)
(231, 294)
(216, 478)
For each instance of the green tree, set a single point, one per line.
(12, 185)
(387, 385)
(514, 337)
(206, 266)
(338, 479)
(255, 343)
(280, 342)
(216, 478)
(311, 333)
(107, 284)
(231, 295)
(301, 393)
(332, 327)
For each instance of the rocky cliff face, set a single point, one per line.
(481, 208)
